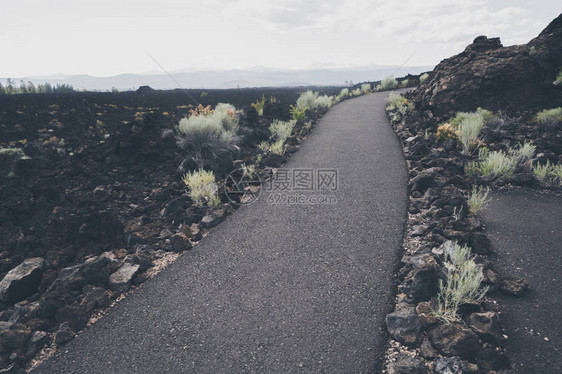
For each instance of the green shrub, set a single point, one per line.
(282, 129)
(399, 103)
(356, 92)
(423, 77)
(404, 83)
(495, 165)
(278, 147)
(202, 187)
(523, 152)
(298, 114)
(344, 93)
(258, 105)
(366, 87)
(306, 100)
(462, 283)
(478, 199)
(323, 102)
(549, 174)
(468, 132)
(550, 118)
(388, 83)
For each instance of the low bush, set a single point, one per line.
(388, 83)
(446, 132)
(468, 132)
(366, 87)
(399, 103)
(550, 118)
(423, 78)
(258, 105)
(523, 152)
(297, 113)
(202, 187)
(306, 100)
(323, 102)
(356, 92)
(282, 129)
(548, 174)
(495, 165)
(478, 199)
(462, 282)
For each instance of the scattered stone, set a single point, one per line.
(74, 314)
(95, 297)
(210, 220)
(420, 284)
(486, 325)
(513, 286)
(405, 364)
(454, 340)
(64, 334)
(13, 337)
(403, 324)
(454, 365)
(36, 343)
(180, 242)
(22, 281)
(423, 310)
(120, 281)
(480, 243)
(427, 350)
(195, 232)
(492, 359)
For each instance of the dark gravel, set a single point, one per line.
(525, 229)
(275, 288)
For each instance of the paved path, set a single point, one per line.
(274, 288)
(526, 230)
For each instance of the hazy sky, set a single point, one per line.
(107, 37)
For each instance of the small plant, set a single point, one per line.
(549, 174)
(558, 80)
(203, 95)
(356, 92)
(550, 118)
(423, 77)
(278, 147)
(458, 213)
(282, 129)
(344, 93)
(496, 165)
(297, 113)
(404, 83)
(263, 146)
(258, 105)
(202, 187)
(446, 132)
(524, 152)
(248, 171)
(306, 100)
(462, 283)
(399, 103)
(478, 199)
(426, 135)
(468, 131)
(366, 87)
(388, 83)
(323, 102)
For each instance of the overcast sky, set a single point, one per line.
(108, 37)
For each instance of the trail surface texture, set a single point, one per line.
(525, 229)
(275, 288)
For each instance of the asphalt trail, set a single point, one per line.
(280, 288)
(526, 231)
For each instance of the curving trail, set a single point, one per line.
(274, 288)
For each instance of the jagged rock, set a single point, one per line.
(492, 359)
(195, 232)
(480, 243)
(513, 286)
(210, 220)
(453, 365)
(425, 315)
(486, 325)
(427, 350)
(180, 242)
(74, 314)
(486, 74)
(22, 281)
(420, 283)
(36, 343)
(120, 281)
(96, 270)
(454, 340)
(64, 334)
(424, 179)
(405, 364)
(403, 324)
(13, 336)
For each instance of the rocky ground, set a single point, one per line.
(95, 205)
(515, 83)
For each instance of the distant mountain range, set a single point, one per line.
(252, 77)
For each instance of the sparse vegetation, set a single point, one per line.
(306, 100)
(523, 152)
(468, 132)
(323, 102)
(446, 132)
(462, 283)
(495, 165)
(550, 118)
(366, 87)
(259, 104)
(423, 77)
(202, 187)
(297, 113)
(478, 199)
(399, 103)
(29, 88)
(548, 174)
(356, 92)
(388, 83)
